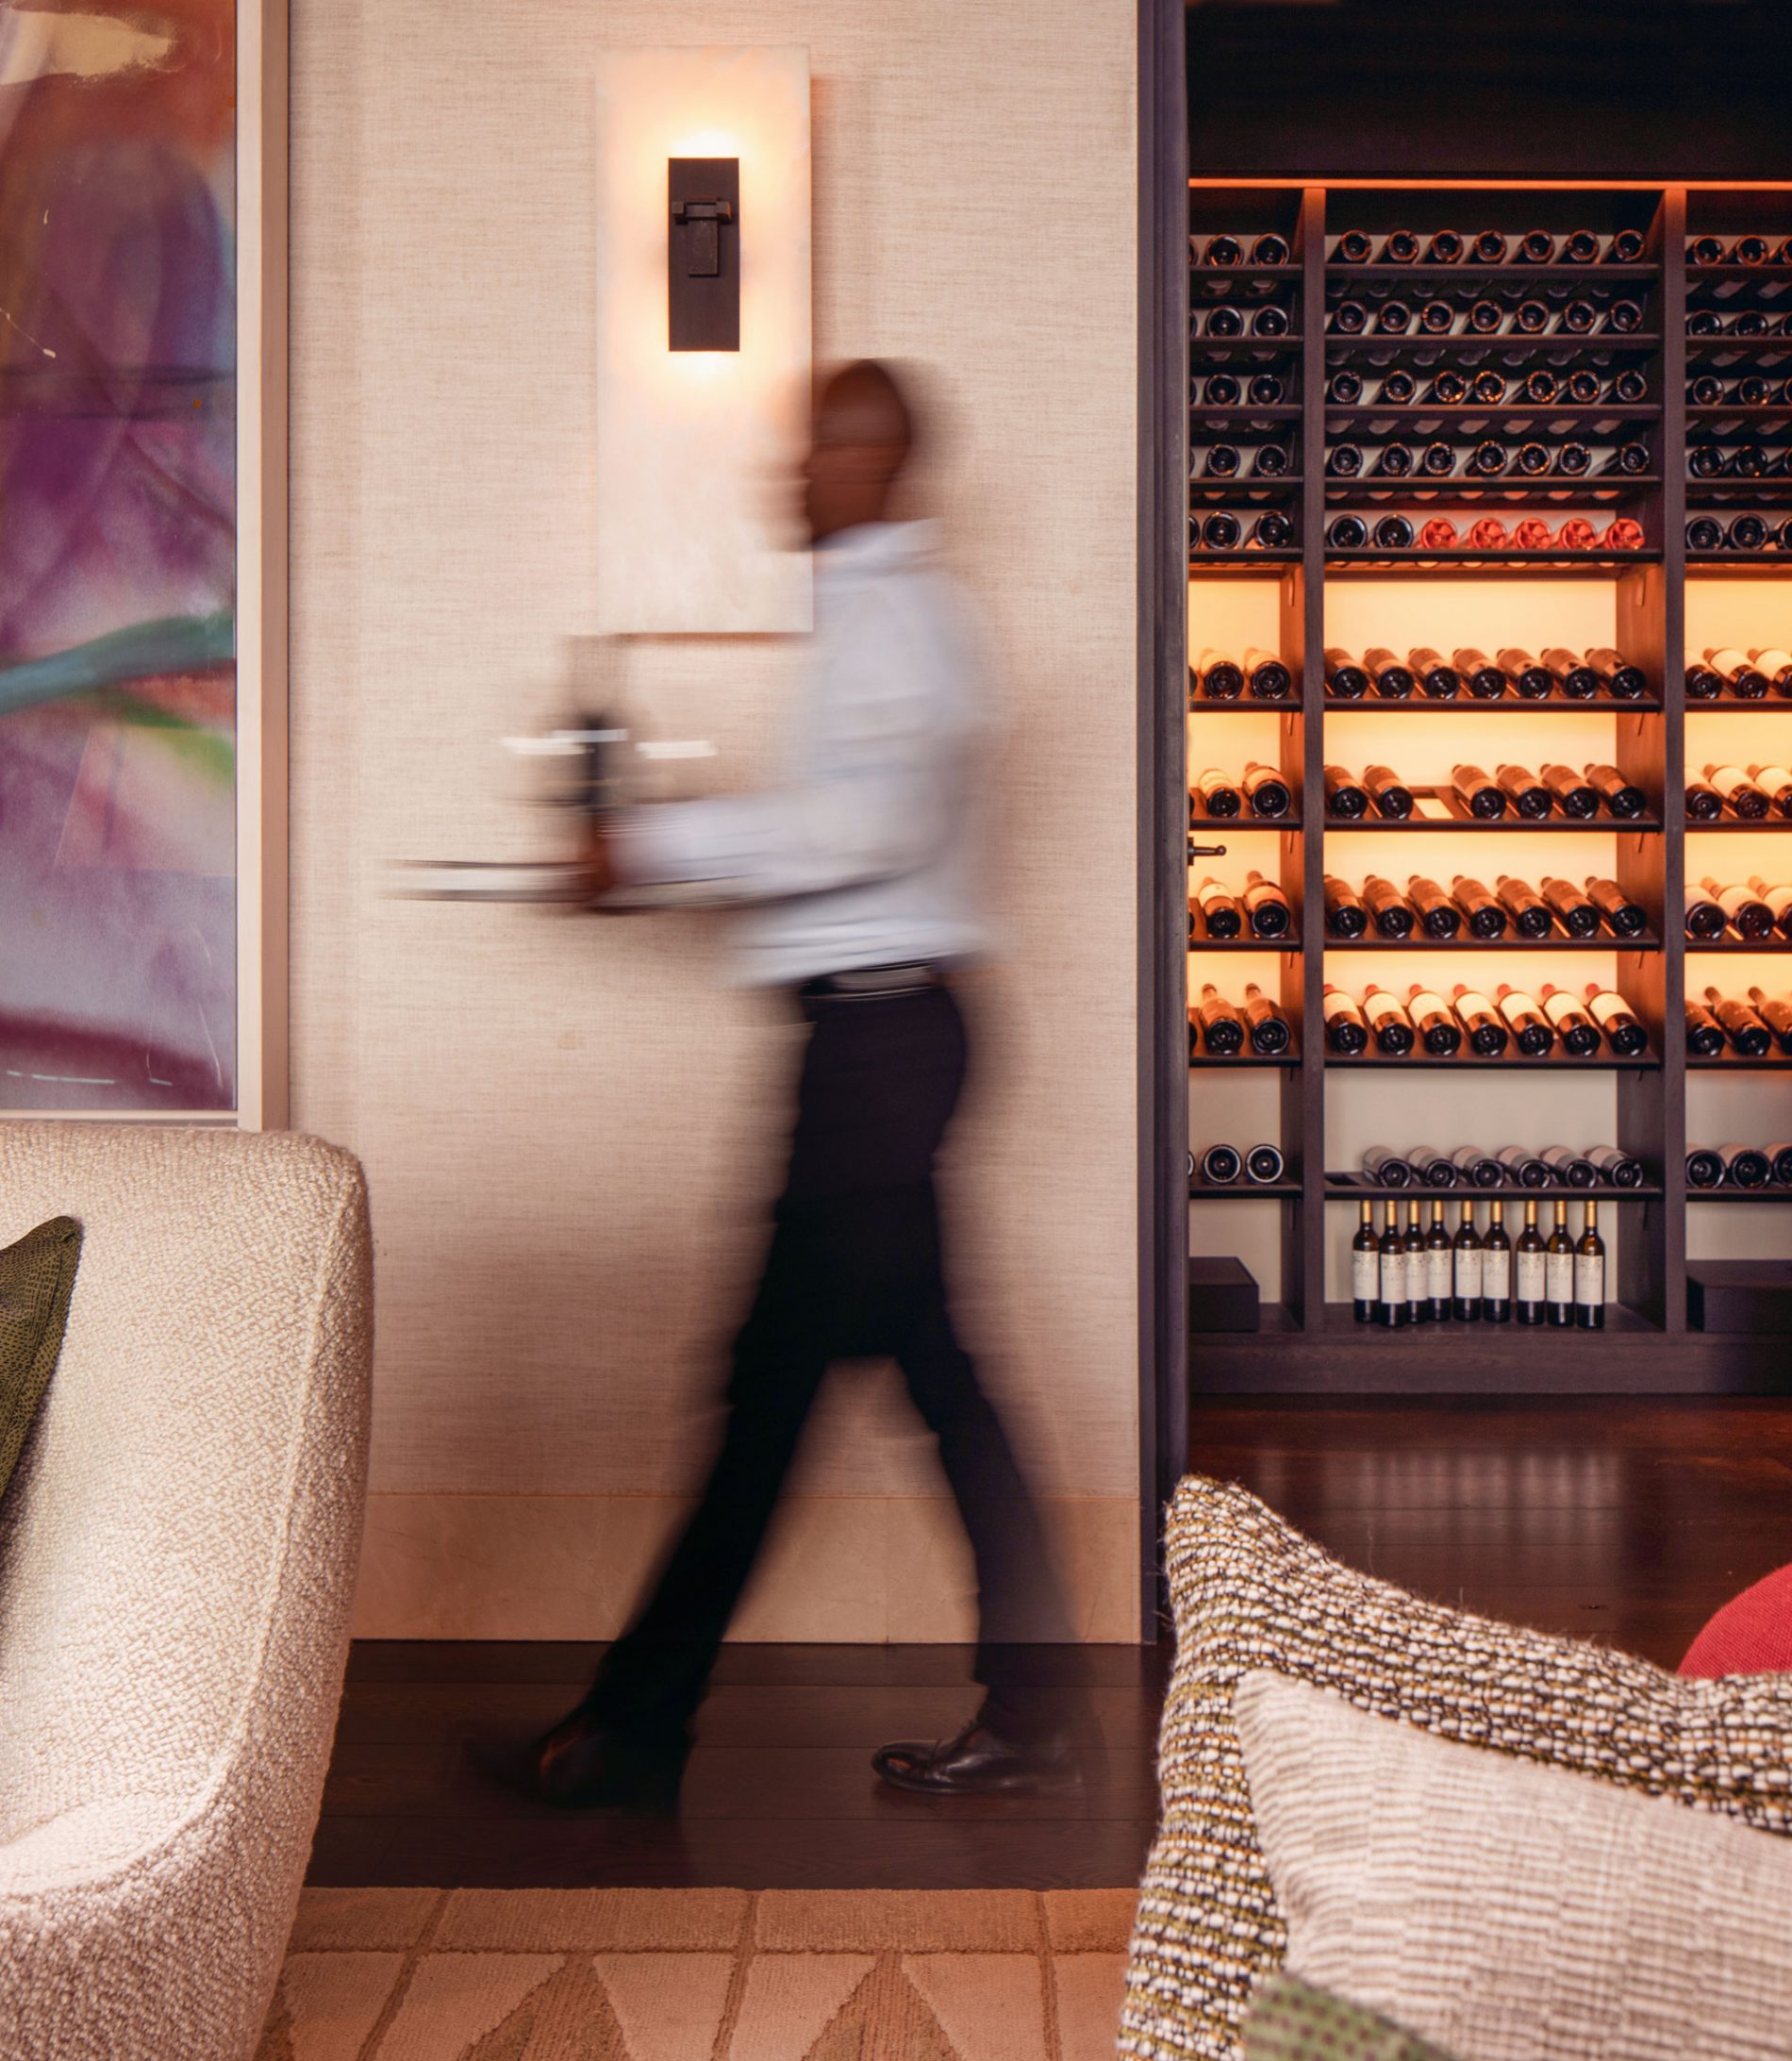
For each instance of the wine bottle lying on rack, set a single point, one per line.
(1219, 911)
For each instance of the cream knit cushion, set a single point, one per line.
(1511, 1912)
(1248, 1592)
(176, 1576)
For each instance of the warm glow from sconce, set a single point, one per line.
(690, 443)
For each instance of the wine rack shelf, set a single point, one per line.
(1644, 590)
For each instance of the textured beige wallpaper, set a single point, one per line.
(568, 1123)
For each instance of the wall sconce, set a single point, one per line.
(702, 341)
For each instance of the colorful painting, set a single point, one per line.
(118, 556)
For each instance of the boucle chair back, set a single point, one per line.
(177, 1557)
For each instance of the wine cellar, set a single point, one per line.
(1461, 459)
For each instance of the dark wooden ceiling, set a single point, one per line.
(1654, 89)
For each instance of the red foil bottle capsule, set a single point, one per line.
(1533, 533)
(1577, 534)
(1439, 534)
(1625, 533)
(1489, 534)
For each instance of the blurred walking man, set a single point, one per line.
(858, 881)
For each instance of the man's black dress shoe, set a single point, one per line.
(975, 1762)
(584, 1765)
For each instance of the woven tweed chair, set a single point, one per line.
(1249, 1592)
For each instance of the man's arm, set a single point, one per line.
(872, 804)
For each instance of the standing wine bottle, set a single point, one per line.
(1528, 795)
(1466, 1270)
(1749, 802)
(1438, 1028)
(1267, 791)
(1346, 1033)
(1775, 782)
(1623, 798)
(1438, 916)
(1393, 682)
(1345, 915)
(1221, 913)
(1558, 1272)
(1531, 915)
(1439, 1267)
(1271, 679)
(1486, 1034)
(1387, 1023)
(1575, 795)
(1267, 908)
(1532, 678)
(1392, 915)
(1590, 1274)
(1624, 917)
(1530, 1300)
(1439, 682)
(1393, 800)
(1622, 680)
(1417, 1300)
(1576, 913)
(1532, 1031)
(1221, 1026)
(1776, 1013)
(1222, 677)
(1483, 915)
(1496, 1269)
(1345, 799)
(1704, 1034)
(1365, 1268)
(1749, 1037)
(1577, 1030)
(1218, 798)
(1392, 1308)
(1486, 681)
(1345, 680)
(1269, 1032)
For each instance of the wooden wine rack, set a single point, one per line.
(1308, 1345)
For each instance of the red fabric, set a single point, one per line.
(1750, 1635)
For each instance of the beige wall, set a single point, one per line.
(567, 1125)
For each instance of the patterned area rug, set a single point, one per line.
(701, 1975)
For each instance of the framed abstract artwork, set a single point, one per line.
(143, 549)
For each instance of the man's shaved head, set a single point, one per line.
(864, 434)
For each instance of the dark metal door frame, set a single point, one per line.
(1163, 1076)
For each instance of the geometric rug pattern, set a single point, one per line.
(701, 1975)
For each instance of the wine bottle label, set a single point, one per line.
(1559, 1278)
(1496, 1276)
(1438, 1274)
(1589, 1280)
(1530, 1277)
(1393, 1277)
(1365, 1277)
(1470, 1273)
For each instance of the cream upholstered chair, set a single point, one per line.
(177, 1559)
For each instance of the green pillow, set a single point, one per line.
(1291, 2021)
(37, 1277)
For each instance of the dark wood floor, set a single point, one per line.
(1625, 1522)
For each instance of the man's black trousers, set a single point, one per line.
(854, 1271)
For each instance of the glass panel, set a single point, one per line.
(118, 558)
